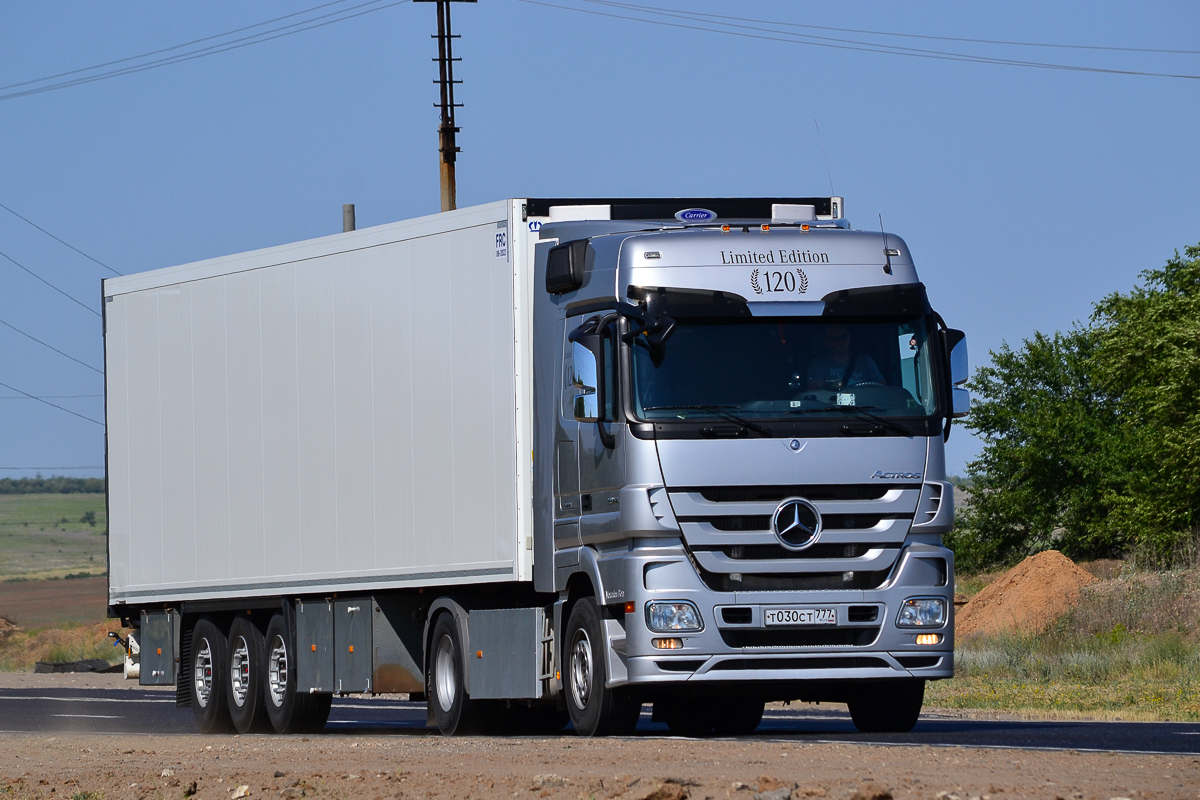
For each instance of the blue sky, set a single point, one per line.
(1025, 194)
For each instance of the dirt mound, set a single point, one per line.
(1025, 599)
(7, 628)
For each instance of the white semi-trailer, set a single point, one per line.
(538, 460)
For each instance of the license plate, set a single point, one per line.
(800, 616)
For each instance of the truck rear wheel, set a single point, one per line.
(209, 679)
(247, 707)
(889, 707)
(447, 695)
(595, 710)
(288, 710)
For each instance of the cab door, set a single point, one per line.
(566, 460)
(601, 440)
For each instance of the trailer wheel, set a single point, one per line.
(288, 710)
(737, 716)
(890, 707)
(447, 695)
(247, 707)
(208, 678)
(595, 710)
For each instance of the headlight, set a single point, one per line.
(670, 617)
(922, 612)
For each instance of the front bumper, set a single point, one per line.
(739, 647)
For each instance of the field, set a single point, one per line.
(51, 535)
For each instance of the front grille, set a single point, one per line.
(824, 637)
(771, 552)
(810, 581)
(762, 522)
(737, 616)
(751, 494)
(828, 662)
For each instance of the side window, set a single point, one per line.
(609, 356)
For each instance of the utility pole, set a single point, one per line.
(447, 146)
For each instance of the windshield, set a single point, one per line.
(781, 368)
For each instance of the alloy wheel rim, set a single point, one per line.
(239, 671)
(447, 685)
(581, 669)
(277, 671)
(202, 673)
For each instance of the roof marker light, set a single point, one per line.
(803, 227)
(766, 228)
(724, 229)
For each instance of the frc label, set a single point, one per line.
(501, 244)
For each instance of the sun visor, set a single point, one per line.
(680, 303)
(907, 299)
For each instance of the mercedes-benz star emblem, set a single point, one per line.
(796, 522)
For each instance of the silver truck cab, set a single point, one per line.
(740, 488)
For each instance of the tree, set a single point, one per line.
(1092, 438)
(1045, 469)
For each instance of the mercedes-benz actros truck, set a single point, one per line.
(539, 461)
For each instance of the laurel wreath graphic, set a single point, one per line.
(803, 280)
(754, 282)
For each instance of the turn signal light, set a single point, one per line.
(630, 607)
(929, 638)
(667, 644)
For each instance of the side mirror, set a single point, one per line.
(960, 373)
(564, 266)
(584, 379)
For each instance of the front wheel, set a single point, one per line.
(594, 709)
(887, 707)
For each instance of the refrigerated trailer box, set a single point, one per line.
(538, 460)
(343, 414)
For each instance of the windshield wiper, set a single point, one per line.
(861, 411)
(719, 410)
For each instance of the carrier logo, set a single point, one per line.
(796, 523)
(695, 215)
(893, 476)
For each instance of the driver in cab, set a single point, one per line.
(839, 367)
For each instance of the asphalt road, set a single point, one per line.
(133, 711)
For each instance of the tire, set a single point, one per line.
(446, 690)
(594, 709)
(686, 716)
(737, 716)
(247, 678)
(209, 678)
(286, 709)
(889, 707)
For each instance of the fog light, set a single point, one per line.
(670, 617)
(922, 612)
(929, 638)
(667, 644)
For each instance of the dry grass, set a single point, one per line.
(21, 649)
(1130, 649)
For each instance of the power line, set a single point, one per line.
(837, 44)
(264, 36)
(60, 241)
(1008, 42)
(51, 285)
(172, 47)
(52, 405)
(52, 347)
